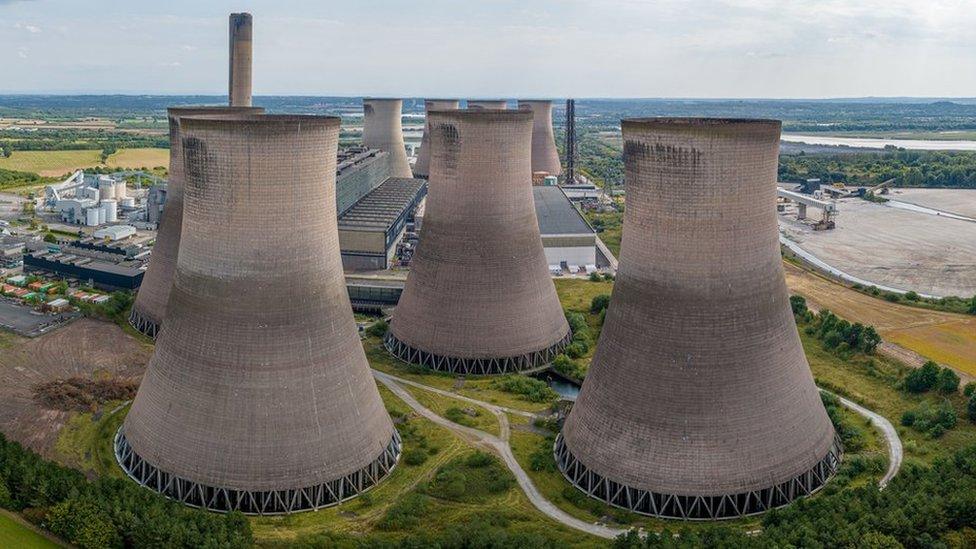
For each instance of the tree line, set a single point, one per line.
(907, 168)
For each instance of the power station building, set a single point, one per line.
(422, 167)
(258, 397)
(567, 239)
(149, 308)
(370, 230)
(545, 157)
(479, 298)
(383, 130)
(699, 402)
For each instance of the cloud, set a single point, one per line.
(22, 52)
(33, 29)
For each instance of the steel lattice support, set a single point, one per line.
(718, 507)
(273, 502)
(143, 324)
(476, 366)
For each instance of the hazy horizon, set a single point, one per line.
(696, 49)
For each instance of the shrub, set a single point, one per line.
(530, 389)
(911, 296)
(932, 420)
(599, 303)
(405, 513)
(969, 389)
(922, 379)
(799, 304)
(948, 381)
(575, 350)
(971, 408)
(414, 456)
(378, 329)
(595, 277)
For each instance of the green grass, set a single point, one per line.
(479, 388)
(610, 228)
(576, 295)
(15, 534)
(460, 412)
(85, 442)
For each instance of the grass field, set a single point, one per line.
(85, 442)
(139, 158)
(50, 163)
(944, 337)
(58, 163)
(15, 534)
(460, 412)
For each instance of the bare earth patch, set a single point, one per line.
(42, 379)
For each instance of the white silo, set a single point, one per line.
(111, 210)
(91, 216)
(106, 187)
(119, 190)
(101, 214)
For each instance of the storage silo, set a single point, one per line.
(258, 397)
(149, 307)
(699, 402)
(110, 208)
(479, 298)
(91, 216)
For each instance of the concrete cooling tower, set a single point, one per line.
(699, 402)
(422, 167)
(487, 104)
(258, 397)
(240, 60)
(383, 130)
(545, 157)
(479, 298)
(149, 308)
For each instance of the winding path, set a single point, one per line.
(500, 445)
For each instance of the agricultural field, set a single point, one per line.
(58, 163)
(139, 158)
(944, 337)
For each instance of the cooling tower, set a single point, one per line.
(479, 298)
(149, 308)
(422, 167)
(383, 130)
(699, 403)
(487, 104)
(240, 60)
(258, 397)
(545, 157)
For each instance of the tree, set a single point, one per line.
(599, 303)
(971, 408)
(948, 381)
(799, 304)
(922, 379)
(972, 305)
(49, 237)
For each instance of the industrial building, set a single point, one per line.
(383, 130)
(104, 270)
(149, 308)
(359, 170)
(545, 157)
(370, 230)
(90, 200)
(479, 298)
(699, 402)
(258, 397)
(567, 238)
(422, 167)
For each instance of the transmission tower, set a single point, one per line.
(570, 142)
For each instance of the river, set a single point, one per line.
(880, 143)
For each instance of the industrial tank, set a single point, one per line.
(258, 397)
(699, 402)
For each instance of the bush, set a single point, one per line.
(971, 408)
(405, 513)
(565, 366)
(850, 435)
(911, 296)
(922, 379)
(530, 389)
(414, 456)
(948, 381)
(378, 329)
(470, 479)
(969, 389)
(595, 277)
(599, 303)
(931, 420)
(799, 304)
(575, 350)
(83, 523)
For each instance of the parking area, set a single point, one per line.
(25, 321)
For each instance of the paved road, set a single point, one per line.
(895, 450)
(499, 446)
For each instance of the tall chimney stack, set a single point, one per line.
(240, 60)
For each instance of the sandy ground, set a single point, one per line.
(957, 201)
(85, 348)
(897, 248)
(947, 338)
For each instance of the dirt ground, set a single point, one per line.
(947, 338)
(957, 201)
(897, 248)
(85, 348)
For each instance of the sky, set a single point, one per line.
(517, 48)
